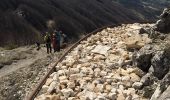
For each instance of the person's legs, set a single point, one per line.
(47, 46)
(58, 46)
(50, 48)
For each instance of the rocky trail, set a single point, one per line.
(102, 68)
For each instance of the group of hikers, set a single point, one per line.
(55, 39)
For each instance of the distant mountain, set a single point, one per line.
(23, 21)
(145, 9)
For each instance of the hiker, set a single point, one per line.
(54, 42)
(64, 36)
(58, 39)
(47, 40)
(64, 40)
(38, 46)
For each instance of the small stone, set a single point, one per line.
(64, 81)
(61, 78)
(67, 92)
(125, 78)
(57, 68)
(103, 73)
(99, 49)
(135, 97)
(45, 87)
(137, 85)
(55, 97)
(108, 88)
(90, 87)
(90, 95)
(71, 85)
(134, 77)
(138, 72)
(52, 75)
(99, 88)
(114, 90)
(56, 77)
(62, 86)
(120, 96)
(112, 96)
(100, 97)
(146, 80)
(49, 81)
(74, 77)
(52, 86)
(132, 91)
(99, 57)
(86, 65)
(74, 70)
(71, 98)
(64, 67)
(129, 97)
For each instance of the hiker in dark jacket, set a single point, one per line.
(47, 40)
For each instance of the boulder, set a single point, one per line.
(100, 49)
(143, 58)
(161, 64)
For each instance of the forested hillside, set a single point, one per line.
(23, 22)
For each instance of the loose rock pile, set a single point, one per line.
(101, 68)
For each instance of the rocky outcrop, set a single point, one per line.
(163, 24)
(155, 56)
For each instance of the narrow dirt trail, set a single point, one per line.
(31, 57)
(25, 68)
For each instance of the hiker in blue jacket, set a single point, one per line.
(58, 39)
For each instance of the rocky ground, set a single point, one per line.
(21, 69)
(106, 66)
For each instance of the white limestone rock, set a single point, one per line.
(137, 85)
(52, 86)
(67, 92)
(99, 49)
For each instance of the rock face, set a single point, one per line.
(164, 23)
(155, 56)
(101, 68)
(143, 58)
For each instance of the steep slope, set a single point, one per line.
(23, 21)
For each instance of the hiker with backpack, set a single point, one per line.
(47, 40)
(54, 42)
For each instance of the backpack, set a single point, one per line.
(47, 39)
